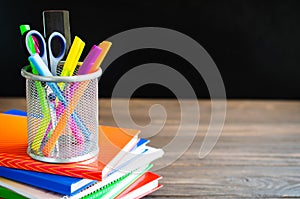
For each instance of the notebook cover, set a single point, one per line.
(51, 182)
(27, 191)
(13, 146)
(149, 192)
(148, 177)
(57, 183)
(16, 112)
(33, 192)
(141, 142)
(116, 188)
(6, 193)
(140, 162)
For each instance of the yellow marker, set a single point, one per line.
(72, 59)
(105, 46)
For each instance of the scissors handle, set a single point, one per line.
(54, 60)
(39, 42)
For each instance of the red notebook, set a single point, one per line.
(113, 141)
(143, 186)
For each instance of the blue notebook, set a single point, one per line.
(16, 112)
(141, 142)
(60, 184)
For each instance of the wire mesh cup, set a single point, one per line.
(62, 116)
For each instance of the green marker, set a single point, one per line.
(41, 93)
(24, 28)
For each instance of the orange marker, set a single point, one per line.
(64, 118)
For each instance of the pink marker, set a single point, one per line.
(78, 136)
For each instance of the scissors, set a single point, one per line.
(45, 49)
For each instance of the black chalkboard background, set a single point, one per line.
(255, 44)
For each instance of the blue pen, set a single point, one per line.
(43, 70)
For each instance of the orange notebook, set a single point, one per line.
(113, 143)
(11, 132)
(145, 185)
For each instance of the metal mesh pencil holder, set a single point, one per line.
(62, 116)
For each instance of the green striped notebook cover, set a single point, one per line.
(116, 187)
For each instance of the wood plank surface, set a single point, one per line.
(256, 156)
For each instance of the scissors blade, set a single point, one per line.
(54, 60)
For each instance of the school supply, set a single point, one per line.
(105, 46)
(72, 58)
(45, 47)
(60, 131)
(16, 112)
(106, 187)
(60, 184)
(115, 143)
(24, 28)
(50, 180)
(97, 190)
(146, 184)
(119, 186)
(45, 141)
(7, 193)
(10, 126)
(57, 21)
(42, 96)
(89, 60)
(65, 110)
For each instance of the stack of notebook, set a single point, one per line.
(121, 169)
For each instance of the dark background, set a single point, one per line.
(255, 44)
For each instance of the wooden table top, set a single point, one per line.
(257, 154)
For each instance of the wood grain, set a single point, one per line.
(257, 155)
